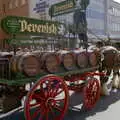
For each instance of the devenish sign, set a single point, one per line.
(22, 25)
(62, 8)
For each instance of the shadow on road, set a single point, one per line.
(101, 106)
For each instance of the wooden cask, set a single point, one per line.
(67, 59)
(50, 62)
(81, 58)
(26, 63)
(93, 60)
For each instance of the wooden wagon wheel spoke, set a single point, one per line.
(91, 93)
(39, 108)
(49, 89)
(42, 116)
(57, 92)
(51, 110)
(60, 100)
(35, 105)
(48, 98)
(35, 114)
(58, 108)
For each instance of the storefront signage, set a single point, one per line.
(67, 6)
(40, 6)
(22, 25)
(62, 7)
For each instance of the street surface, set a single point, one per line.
(107, 108)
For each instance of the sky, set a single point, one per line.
(117, 1)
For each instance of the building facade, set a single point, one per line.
(114, 21)
(96, 18)
(96, 15)
(11, 7)
(103, 16)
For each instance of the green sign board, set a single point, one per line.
(62, 7)
(67, 6)
(23, 25)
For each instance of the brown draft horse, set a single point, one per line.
(110, 64)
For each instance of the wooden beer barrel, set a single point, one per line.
(67, 59)
(26, 63)
(50, 62)
(92, 58)
(14, 61)
(81, 58)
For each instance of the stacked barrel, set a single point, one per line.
(85, 58)
(34, 63)
(26, 63)
(37, 62)
(67, 59)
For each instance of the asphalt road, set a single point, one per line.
(107, 108)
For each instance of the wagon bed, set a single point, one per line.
(22, 80)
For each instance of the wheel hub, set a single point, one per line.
(50, 101)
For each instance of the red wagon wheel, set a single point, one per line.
(47, 99)
(91, 93)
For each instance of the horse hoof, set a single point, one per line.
(116, 81)
(105, 90)
(119, 83)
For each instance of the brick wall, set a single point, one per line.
(11, 7)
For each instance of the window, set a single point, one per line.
(23, 2)
(10, 5)
(16, 3)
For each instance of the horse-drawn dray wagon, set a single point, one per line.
(45, 77)
(50, 76)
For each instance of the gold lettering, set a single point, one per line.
(42, 26)
(45, 28)
(54, 29)
(49, 28)
(33, 28)
(71, 5)
(39, 28)
(29, 28)
(63, 7)
(23, 25)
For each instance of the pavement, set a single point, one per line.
(107, 108)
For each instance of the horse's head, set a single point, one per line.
(110, 56)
